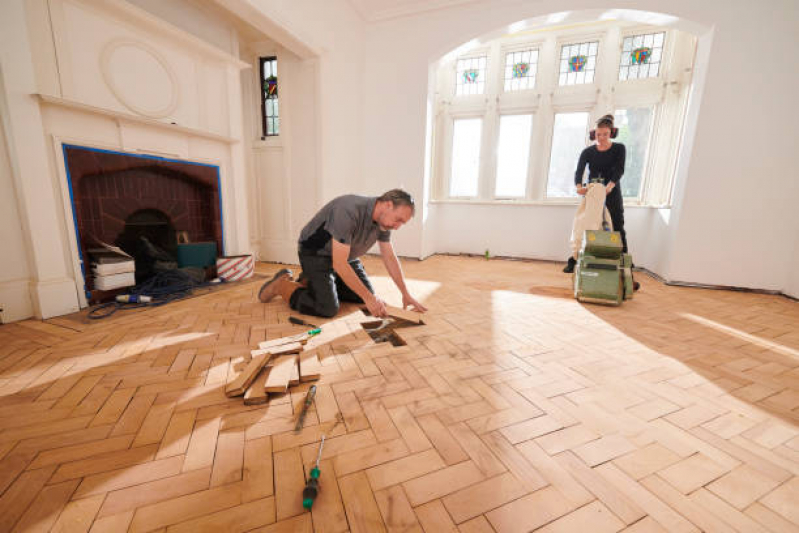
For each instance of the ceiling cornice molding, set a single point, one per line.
(405, 9)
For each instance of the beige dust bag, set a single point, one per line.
(589, 216)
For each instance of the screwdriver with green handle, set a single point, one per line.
(312, 486)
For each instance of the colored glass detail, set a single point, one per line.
(520, 70)
(641, 56)
(270, 87)
(577, 63)
(470, 76)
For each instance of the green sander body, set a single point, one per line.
(603, 273)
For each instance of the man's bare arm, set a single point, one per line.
(341, 264)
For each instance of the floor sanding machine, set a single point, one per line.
(603, 273)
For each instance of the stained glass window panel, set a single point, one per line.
(520, 70)
(641, 56)
(466, 136)
(471, 76)
(269, 105)
(635, 128)
(568, 140)
(578, 63)
(513, 155)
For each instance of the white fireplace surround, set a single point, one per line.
(90, 64)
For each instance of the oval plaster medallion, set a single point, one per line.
(140, 77)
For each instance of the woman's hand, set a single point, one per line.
(609, 187)
(582, 189)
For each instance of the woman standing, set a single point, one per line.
(605, 161)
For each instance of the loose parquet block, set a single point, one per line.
(300, 338)
(279, 376)
(310, 367)
(404, 314)
(238, 386)
(256, 394)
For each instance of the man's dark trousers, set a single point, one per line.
(325, 288)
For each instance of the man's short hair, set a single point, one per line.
(398, 197)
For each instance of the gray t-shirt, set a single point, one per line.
(348, 219)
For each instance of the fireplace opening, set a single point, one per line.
(150, 238)
(141, 204)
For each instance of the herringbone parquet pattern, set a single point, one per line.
(514, 408)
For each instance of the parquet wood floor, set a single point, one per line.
(514, 408)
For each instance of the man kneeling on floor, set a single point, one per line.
(329, 248)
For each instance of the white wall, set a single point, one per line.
(192, 18)
(15, 299)
(334, 29)
(791, 287)
(52, 286)
(732, 215)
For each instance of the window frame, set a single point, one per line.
(509, 48)
(528, 181)
(649, 163)
(667, 51)
(264, 129)
(450, 146)
(472, 54)
(580, 38)
(544, 182)
(546, 98)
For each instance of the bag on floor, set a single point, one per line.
(591, 215)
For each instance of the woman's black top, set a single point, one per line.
(608, 164)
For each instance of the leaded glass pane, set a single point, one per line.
(641, 56)
(471, 76)
(520, 70)
(578, 63)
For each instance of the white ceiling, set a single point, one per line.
(375, 10)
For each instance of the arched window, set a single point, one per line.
(514, 113)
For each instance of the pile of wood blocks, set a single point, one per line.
(283, 362)
(276, 365)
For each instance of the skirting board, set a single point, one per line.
(278, 251)
(54, 298)
(15, 301)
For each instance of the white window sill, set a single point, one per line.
(550, 203)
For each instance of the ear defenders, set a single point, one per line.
(613, 133)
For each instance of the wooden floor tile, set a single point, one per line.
(363, 513)
(396, 510)
(593, 517)
(483, 497)
(530, 512)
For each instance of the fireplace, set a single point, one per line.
(141, 204)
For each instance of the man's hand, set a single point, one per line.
(609, 187)
(408, 300)
(376, 306)
(582, 189)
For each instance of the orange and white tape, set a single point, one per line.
(234, 268)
